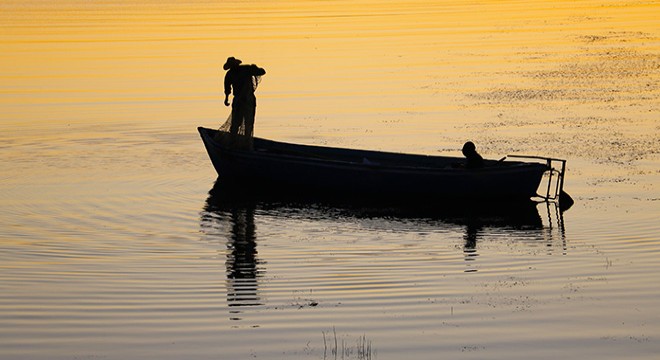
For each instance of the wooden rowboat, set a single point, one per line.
(305, 169)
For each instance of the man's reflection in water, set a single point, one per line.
(232, 222)
(242, 262)
(472, 230)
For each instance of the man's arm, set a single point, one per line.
(227, 88)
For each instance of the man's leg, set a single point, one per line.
(236, 119)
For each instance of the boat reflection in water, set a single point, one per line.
(229, 214)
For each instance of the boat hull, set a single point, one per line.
(276, 166)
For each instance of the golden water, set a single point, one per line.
(111, 246)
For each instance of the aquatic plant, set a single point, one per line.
(341, 349)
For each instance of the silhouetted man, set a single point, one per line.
(472, 159)
(243, 80)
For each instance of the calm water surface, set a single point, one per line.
(117, 243)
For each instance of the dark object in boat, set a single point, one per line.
(316, 170)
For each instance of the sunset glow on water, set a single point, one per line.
(113, 244)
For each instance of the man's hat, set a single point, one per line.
(231, 62)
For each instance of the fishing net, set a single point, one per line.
(238, 130)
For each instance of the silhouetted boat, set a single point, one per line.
(316, 170)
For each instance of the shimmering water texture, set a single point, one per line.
(116, 241)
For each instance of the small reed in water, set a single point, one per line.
(362, 351)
